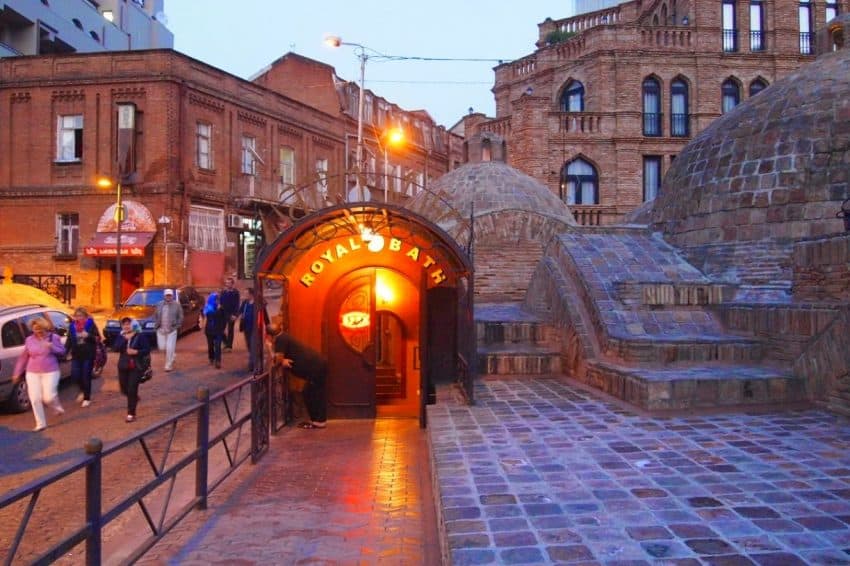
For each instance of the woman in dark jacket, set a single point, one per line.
(82, 345)
(131, 344)
(215, 322)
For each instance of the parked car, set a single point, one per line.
(14, 328)
(141, 306)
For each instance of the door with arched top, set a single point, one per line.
(350, 330)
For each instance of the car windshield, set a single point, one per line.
(145, 298)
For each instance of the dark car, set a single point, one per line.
(14, 328)
(141, 306)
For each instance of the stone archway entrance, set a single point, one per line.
(384, 294)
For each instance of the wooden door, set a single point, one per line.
(350, 323)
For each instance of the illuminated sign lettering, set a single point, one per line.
(376, 244)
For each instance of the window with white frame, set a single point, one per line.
(203, 135)
(651, 177)
(367, 108)
(831, 9)
(287, 166)
(409, 179)
(806, 34)
(322, 176)
(67, 233)
(206, 229)
(69, 138)
(249, 150)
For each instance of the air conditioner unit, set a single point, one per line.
(234, 221)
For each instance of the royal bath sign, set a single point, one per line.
(377, 244)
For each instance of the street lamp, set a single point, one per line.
(360, 50)
(393, 137)
(106, 183)
(164, 221)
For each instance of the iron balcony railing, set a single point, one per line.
(652, 123)
(730, 40)
(806, 46)
(680, 125)
(757, 42)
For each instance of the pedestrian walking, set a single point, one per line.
(214, 322)
(229, 299)
(248, 322)
(39, 361)
(82, 343)
(168, 319)
(311, 366)
(133, 353)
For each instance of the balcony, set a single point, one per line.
(580, 122)
(757, 41)
(652, 124)
(806, 43)
(680, 125)
(730, 41)
(594, 214)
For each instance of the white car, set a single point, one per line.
(14, 328)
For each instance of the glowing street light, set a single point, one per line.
(107, 183)
(393, 137)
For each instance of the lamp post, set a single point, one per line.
(164, 221)
(360, 50)
(106, 183)
(393, 136)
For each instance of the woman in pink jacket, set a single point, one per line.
(42, 369)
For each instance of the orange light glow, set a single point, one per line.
(395, 136)
(355, 320)
(383, 292)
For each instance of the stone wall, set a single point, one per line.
(826, 365)
(821, 269)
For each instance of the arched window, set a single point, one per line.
(573, 98)
(580, 183)
(731, 95)
(757, 86)
(679, 113)
(651, 107)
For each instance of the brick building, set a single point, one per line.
(211, 165)
(608, 99)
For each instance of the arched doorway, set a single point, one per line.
(385, 295)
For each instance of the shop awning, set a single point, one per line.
(104, 244)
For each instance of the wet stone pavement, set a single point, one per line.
(542, 471)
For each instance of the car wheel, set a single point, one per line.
(19, 400)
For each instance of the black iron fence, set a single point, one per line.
(149, 472)
(58, 286)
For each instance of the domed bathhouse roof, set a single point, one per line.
(772, 171)
(514, 216)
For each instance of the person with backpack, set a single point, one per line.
(83, 337)
(133, 358)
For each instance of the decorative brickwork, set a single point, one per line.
(822, 269)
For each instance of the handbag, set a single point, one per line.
(99, 356)
(142, 362)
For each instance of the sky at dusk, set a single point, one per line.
(243, 36)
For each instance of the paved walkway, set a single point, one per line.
(356, 493)
(539, 471)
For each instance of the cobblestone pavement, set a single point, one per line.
(541, 471)
(357, 492)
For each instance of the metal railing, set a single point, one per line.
(652, 123)
(680, 125)
(58, 286)
(214, 445)
(807, 43)
(730, 40)
(757, 42)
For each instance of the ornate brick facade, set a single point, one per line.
(687, 51)
(174, 96)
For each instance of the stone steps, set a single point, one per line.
(720, 348)
(688, 387)
(512, 340)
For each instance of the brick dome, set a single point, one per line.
(777, 167)
(515, 216)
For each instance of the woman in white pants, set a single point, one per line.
(39, 360)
